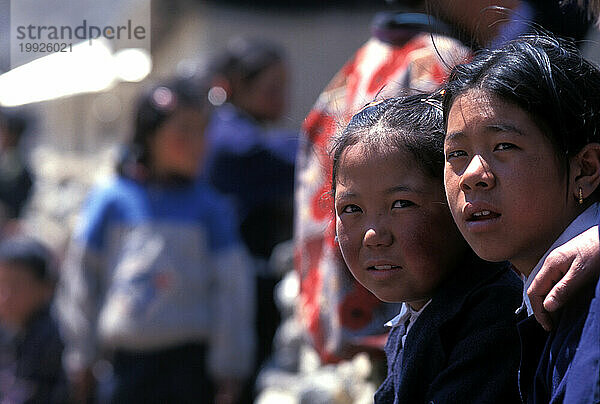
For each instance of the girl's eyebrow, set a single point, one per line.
(401, 188)
(344, 195)
(454, 135)
(496, 127)
(501, 127)
(389, 191)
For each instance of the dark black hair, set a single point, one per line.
(548, 78)
(411, 123)
(153, 108)
(15, 122)
(29, 254)
(245, 58)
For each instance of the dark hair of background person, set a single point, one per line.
(29, 254)
(592, 7)
(15, 123)
(412, 123)
(16, 179)
(556, 16)
(562, 18)
(244, 58)
(242, 64)
(547, 77)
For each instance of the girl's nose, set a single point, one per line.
(477, 175)
(377, 236)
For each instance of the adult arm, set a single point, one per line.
(566, 270)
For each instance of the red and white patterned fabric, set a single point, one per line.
(338, 313)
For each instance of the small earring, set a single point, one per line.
(580, 196)
(335, 239)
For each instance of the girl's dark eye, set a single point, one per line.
(402, 203)
(351, 209)
(504, 146)
(455, 154)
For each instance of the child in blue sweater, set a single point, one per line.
(455, 339)
(156, 278)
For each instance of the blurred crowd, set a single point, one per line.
(205, 269)
(165, 290)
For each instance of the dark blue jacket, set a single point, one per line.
(547, 358)
(583, 385)
(30, 364)
(256, 170)
(464, 347)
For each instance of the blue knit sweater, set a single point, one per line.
(152, 267)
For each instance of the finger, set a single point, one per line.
(553, 269)
(561, 292)
(541, 315)
(555, 266)
(544, 318)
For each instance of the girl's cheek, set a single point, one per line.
(342, 236)
(450, 184)
(339, 230)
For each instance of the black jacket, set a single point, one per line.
(464, 347)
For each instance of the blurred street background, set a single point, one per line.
(72, 124)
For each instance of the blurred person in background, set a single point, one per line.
(408, 51)
(16, 179)
(156, 279)
(252, 164)
(30, 345)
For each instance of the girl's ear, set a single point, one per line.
(586, 170)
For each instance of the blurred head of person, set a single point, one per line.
(485, 23)
(12, 126)
(254, 77)
(168, 141)
(478, 22)
(592, 7)
(27, 280)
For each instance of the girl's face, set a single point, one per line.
(393, 225)
(177, 147)
(265, 97)
(21, 294)
(506, 189)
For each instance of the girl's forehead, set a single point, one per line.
(481, 108)
(363, 164)
(478, 101)
(368, 153)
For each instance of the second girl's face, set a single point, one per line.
(265, 96)
(505, 186)
(394, 228)
(177, 147)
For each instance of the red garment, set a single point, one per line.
(339, 313)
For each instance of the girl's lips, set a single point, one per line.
(383, 272)
(381, 265)
(479, 211)
(483, 215)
